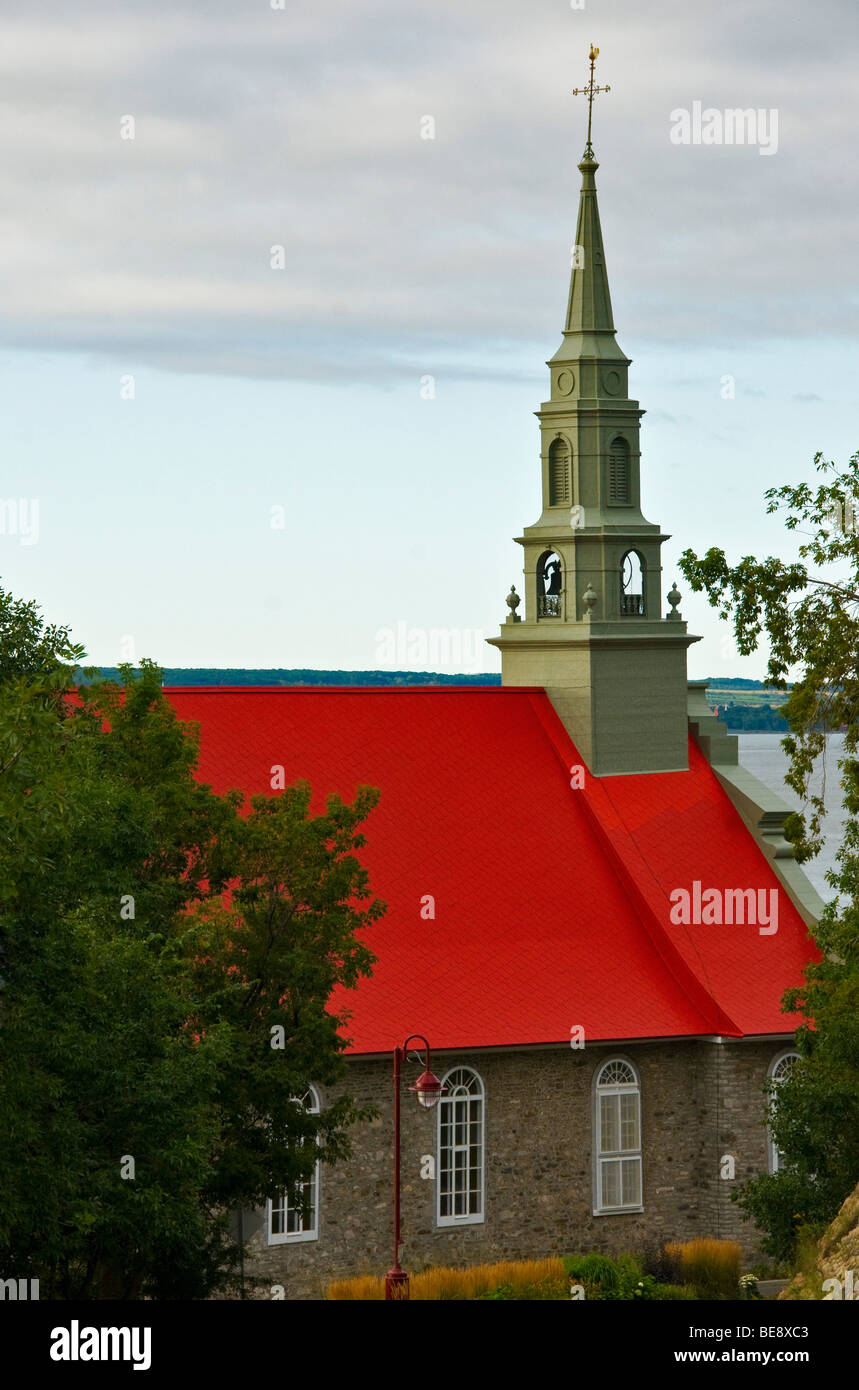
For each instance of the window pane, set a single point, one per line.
(629, 1121)
(609, 1124)
(631, 1182)
(610, 1169)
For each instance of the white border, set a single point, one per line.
(299, 1237)
(772, 1151)
(474, 1218)
(599, 1210)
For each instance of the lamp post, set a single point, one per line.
(427, 1088)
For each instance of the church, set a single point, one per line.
(592, 910)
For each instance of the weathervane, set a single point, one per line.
(590, 92)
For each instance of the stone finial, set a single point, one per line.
(589, 598)
(513, 600)
(674, 597)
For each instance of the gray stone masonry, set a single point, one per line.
(700, 1100)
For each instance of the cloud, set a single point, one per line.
(301, 128)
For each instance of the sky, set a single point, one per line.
(269, 356)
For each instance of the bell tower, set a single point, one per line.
(593, 633)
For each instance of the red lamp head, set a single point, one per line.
(428, 1089)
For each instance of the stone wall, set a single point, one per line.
(700, 1101)
(731, 1126)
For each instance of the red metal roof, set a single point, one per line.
(551, 904)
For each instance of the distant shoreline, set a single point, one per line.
(756, 710)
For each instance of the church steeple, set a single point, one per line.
(593, 632)
(589, 303)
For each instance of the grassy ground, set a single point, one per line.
(696, 1269)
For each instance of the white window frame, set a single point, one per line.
(447, 1101)
(302, 1233)
(774, 1162)
(615, 1156)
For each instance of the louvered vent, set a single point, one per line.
(559, 473)
(618, 471)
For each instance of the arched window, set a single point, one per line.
(618, 1138)
(285, 1220)
(779, 1068)
(461, 1113)
(550, 585)
(618, 471)
(559, 473)
(631, 585)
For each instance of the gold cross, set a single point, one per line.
(590, 92)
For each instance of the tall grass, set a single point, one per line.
(613, 1275)
(361, 1289)
(713, 1266)
(521, 1279)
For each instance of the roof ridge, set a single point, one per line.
(311, 689)
(699, 995)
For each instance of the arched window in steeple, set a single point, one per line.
(559, 473)
(550, 584)
(619, 482)
(631, 585)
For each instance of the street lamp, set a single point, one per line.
(427, 1088)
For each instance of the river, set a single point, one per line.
(764, 756)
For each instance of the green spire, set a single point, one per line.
(589, 304)
(592, 632)
(589, 327)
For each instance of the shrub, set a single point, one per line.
(593, 1269)
(748, 1287)
(768, 1269)
(549, 1289)
(780, 1205)
(629, 1268)
(713, 1266)
(644, 1288)
(806, 1261)
(606, 1279)
(664, 1267)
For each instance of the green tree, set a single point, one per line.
(807, 611)
(28, 646)
(154, 934)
